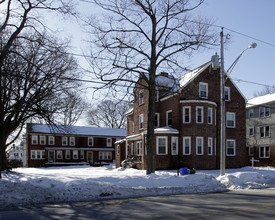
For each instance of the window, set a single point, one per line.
(38, 154)
(174, 145)
(64, 141)
(75, 154)
(230, 148)
(230, 120)
(140, 98)
(105, 155)
(264, 112)
(227, 93)
(264, 152)
(251, 131)
(157, 120)
(51, 140)
(42, 140)
(139, 148)
(251, 151)
(210, 146)
(109, 142)
(210, 116)
(199, 115)
(59, 154)
(140, 119)
(34, 139)
(186, 145)
(82, 154)
(203, 91)
(132, 148)
(187, 114)
(169, 118)
(251, 113)
(90, 141)
(199, 145)
(118, 149)
(162, 146)
(72, 141)
(68, 154)
(264, 131)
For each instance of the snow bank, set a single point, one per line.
(30, 186)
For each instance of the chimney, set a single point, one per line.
(215, 61)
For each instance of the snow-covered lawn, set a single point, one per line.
(29, 186)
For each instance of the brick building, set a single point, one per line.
(67, 145)
(187, 122)
(260, 118)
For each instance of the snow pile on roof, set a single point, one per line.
(260, 100)
(76, 130)
(29, 186)
(166, 130)
(188, 77)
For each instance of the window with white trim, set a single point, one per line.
(157, 120)
(38, 154)
(51, 140)
(34, 139)
(109, 142)
(174, 145)
(162, 148)
(187, 114)
(169, 118)
(264, 112)
(199, 114)
(251, 151)
(68, 154)
(90, 141)
(210, 116)
(186, 145)
(75, 154)
(42, 140)
(203, 90)
(140, 98)
(251, 113)
(251, 131)
(227, 93)
(210, 146)
(64, 141)
(139, 148)
(140, 121)
(59, 154)
(72, 141)
(230, 120)
(264, 152)
(264, 131)
(199, 145)
(105, 155)
(230, 147)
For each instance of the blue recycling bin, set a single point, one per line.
(183, 171)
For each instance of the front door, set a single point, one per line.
(51, 157)
(90, 157)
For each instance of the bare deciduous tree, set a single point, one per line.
(35, 68)
(109, 114)
(137, 38)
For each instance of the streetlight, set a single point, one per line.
(222, 84)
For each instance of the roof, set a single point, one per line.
(190, 76)
(260, 100)
(76, 130)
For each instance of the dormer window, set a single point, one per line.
(140, 98)
(203, 90)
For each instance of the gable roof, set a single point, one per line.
(76, 130)
(260, 100)
(190, 76)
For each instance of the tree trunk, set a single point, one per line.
(3, 159)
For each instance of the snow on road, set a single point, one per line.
(31, 186)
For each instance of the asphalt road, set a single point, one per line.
(248, 204)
